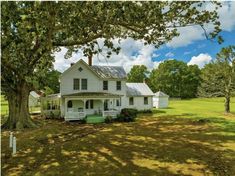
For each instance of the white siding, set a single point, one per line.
(66, 81)
(33, 101)
(160, 102)
(94, 83)
(139, 103)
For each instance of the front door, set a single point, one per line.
(106, 105)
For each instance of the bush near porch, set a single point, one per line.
(171, 141)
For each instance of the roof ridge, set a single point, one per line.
(106, 66)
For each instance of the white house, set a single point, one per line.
(160, 100)
(91, 89)
(34, 99)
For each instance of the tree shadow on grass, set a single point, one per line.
(162, 146)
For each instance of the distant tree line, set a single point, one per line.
(177, 79)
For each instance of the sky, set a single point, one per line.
(191, 47)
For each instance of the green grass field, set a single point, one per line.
(191, 137)
(5, 110)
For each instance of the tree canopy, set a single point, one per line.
(138, 73)
(176, 79)
(218, 77)
(32, 31)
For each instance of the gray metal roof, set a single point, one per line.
(138, 89)
(34, 94)
(109, 72)
(92, 94)
(161, 94)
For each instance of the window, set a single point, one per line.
(89, 104)
(131, 101)
(105, 85)
(118, 102)
(119, 85)
(76, 84)
(70, 104)
(80, 69)
(84, 84)
(146, 100)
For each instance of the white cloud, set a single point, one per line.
(226, 14)
(200, 60)
(169, 54)
(132, 53)
(193, 33)
(61, 63)
(187, 36)
(136, 53)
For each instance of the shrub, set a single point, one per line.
(129, 112)
(83, 121)
(108, 119)
(127, 115)
(146, 111)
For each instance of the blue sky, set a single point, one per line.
(191, 46)
(185, 53)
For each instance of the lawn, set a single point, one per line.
(5, 110)
(191, 137)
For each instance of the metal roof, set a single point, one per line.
(109, 72)
(92, 94)
(138, 89)
(161, 94)
(34, 94)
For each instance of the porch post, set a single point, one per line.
(84, 106)
(103, 107)
(113, 104)
(65, 104)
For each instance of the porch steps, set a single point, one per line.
(94, 119)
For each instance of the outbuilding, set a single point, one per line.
(160, 100)
(34, 98)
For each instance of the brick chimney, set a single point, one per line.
(72, 64)
(90, 60)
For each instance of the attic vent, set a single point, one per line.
(80, 69)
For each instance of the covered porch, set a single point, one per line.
(78, 106)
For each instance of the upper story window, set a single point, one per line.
(146, 100)
(105, 85)
(76, 85)
(84, 84)
(119, 85)
(131, 101)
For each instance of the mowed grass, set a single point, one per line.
(5, 109)
(4, 106)
(191, 137)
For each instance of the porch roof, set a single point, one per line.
(92, 95)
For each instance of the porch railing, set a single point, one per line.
(112, 113)
(75, 115)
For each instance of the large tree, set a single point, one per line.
(176, 79)
(218, 77)
(51, 82)
(138, 73)
(32, 31)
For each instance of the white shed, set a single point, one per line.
(160, 100)
(34, 99)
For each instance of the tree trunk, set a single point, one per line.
(19, 116)
(227, 104)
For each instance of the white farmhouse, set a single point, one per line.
(102, 90)
(160, 100)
